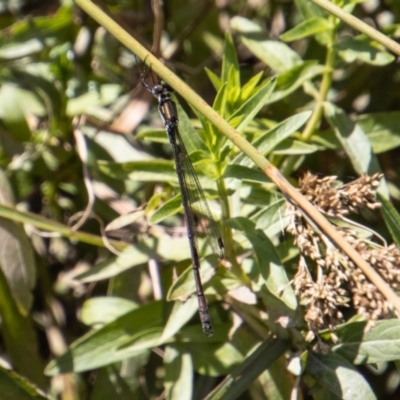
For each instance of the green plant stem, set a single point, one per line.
(326, 83)
(315, 119)
(359, 25)
(225, 215)
(227, 235)
(290, 193)
(48, 225)
(19, 337)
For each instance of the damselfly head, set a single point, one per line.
(158, 89)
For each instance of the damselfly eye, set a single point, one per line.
(157, 89)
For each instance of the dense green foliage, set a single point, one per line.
(82, 147)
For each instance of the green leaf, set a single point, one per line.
(214, 79)
(253, 105)
(28, 101)
(106, 94)
(178, 382)
(181, 313)
(267, 142)
(185, 286)
(245, 174)
(112, 381)
(124, 220)
(18, 50)
(18, 263)
(233, 88)
(215, 355)
(382, 129)
(380, 344)
(326, 139)
(169, 208)
(127, 336)
(225, 356)
(250, 86)
(40, 81)
(12, 114)
(137, 255)
(294, 147)
(391, 217)
(257, 361)
(307, 28)
(143, 171)
(292, 79)
(16, 257)
(230, 64)
(19, 336)
(153, 135)
(190, 137)
(219, 104)
(16, 387)
(277, 55)
(362, 49)
(310, 10)
(209, 132)
(268, 261)
(103, 310)
(272, 219)
(29, 36)
(353, 139)
(336, 378)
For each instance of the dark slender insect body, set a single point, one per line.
(194, 203)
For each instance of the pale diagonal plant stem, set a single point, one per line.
(223, 126)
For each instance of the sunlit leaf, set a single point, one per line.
(131, 334)
(243, 375)
(353, 140)
(185, 286)
(16, 387)
(362, 49)
(105, 95)
(335, 377)
(178, 381)
(12, 114)
(382, 130)
(379, 344)
(254, 104)
(230, 64)
(277, 55)
(270, 139)
(391, 217)
(290, 80)
(245, 174)
(152, 170)
(169, 208)
(180, 314)
(16, 256)
(136, 255)
(307, 28)
(103, 310)
(268, 261)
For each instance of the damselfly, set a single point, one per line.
(195, 207)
